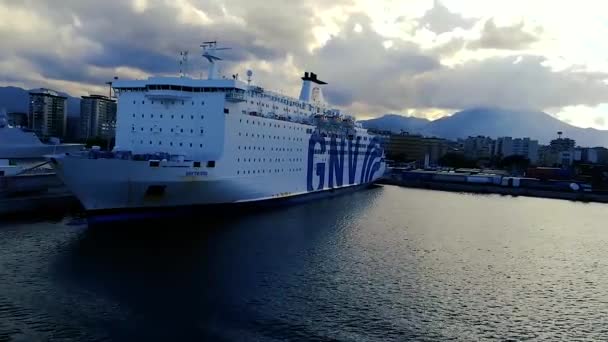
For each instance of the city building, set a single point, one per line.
(586, 155)
(602, 155)
(562, 144)
(507, 146)
(97, 117)
(48, 113)
(413, 147)
(478, 147)
(565, 158)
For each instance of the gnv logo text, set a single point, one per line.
(338, 148)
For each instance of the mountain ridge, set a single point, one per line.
(493, 122)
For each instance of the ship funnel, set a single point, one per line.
(312, 88)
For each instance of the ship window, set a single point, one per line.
(150, 142)
(211, 163)
(226, 111)
(161, 116)
(142, 115)
(191, 117)
(180, 144)
(171, 143)
(182, 103)
(161, 129)
(160, 142)
(201, 131)
(181, 130)
(142, 102)
(182, 116)
(190, 144)
(133, 115)
(191, 131)
(171, 129)
(203, 103)
(151, 115)
(154, 163)
(201, 145)
(142, 129)
(133, 101)
(202, 117)
(196, 164)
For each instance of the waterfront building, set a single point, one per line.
(602, 155)
(508, 146)
(585, 155)
(47, 113)
(97, 117)
(413, 147)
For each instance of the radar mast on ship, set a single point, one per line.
(210, 49)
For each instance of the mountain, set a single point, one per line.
(496, 122)
(15, 99)
(396, 123)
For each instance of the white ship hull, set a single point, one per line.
(104, 184)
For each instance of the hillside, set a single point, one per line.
(493, 122)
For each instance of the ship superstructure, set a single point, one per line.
(185, 141)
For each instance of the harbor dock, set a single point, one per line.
(493, 184)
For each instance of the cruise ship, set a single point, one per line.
(182, 141)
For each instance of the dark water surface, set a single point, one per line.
(386, 264)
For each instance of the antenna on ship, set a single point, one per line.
(209, 52)
(183, 63)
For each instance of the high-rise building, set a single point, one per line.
(97, 117)
(508, 146)
(48, 113)
(411, 147)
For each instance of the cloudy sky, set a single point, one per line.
(413, 57)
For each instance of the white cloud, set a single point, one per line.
(419, 56)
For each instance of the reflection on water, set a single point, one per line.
(382, 264)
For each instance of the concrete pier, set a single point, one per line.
(500, 190)
(41, 193)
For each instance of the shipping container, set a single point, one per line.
(477, 179)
